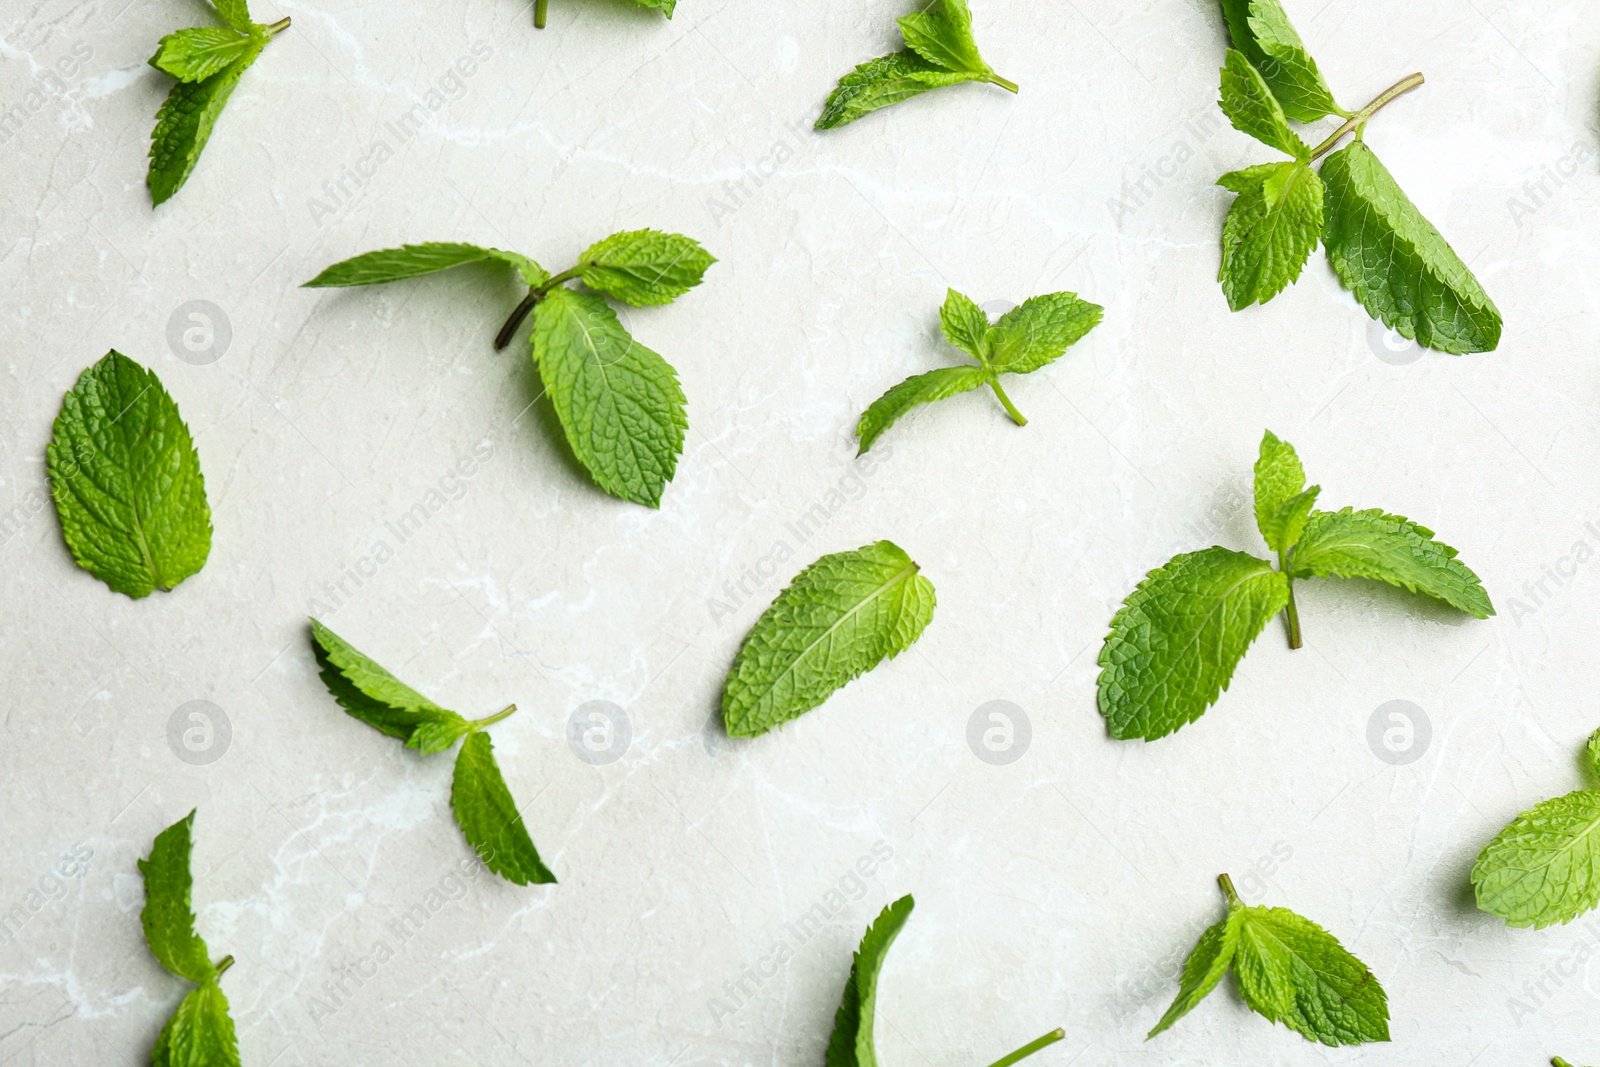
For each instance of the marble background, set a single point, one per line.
(1060, 889)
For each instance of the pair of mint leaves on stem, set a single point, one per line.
(1379, 244)
(619, 403)
(200, 1032)
(1544, 868)
(540, 8)
(126, 480)
(852, 1044)
(1029, 336)
(939, 51)
(1178, 637)
(208, 62)
(485, 811)
(1289, 970)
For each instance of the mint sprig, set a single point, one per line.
(126, 480)
(541, 7)
(1544, 868)
(200, 1032)
(940, 51)
(483, 805)
(208, 62)
(1382, 248)
(1178, 637)
(619, 404)
(838, 619)
(852, 1043)
(1029, 336)
(1289, 970)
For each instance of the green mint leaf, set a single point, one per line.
(1387, 548)
(1594, 753)
(488, 816)
(1208, 961)
(883, 81)
(663, 6)
(645, 267)
(1253, 110)
(920, 389)
(168, 918)
(941, 33)
(1293, 971)
(437, 736)
(1271, 230)
(1283, 504)
(184, 124)
(369, 693)
(838, 619)
(236, 14)
(1039, 330)
(1544, 868)
(1175, 642)
(194, 55)
(414, 261)
(965, 325)
(126, 480)
(1396, 263)
(851, 1043)
(1262, 31)
(619, 403)
(200, 1033)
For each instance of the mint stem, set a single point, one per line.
(1292, 617)
(509, 330)
(1228, 891)
(1004, 83)
(1381, 101)
(538, 13)
(478, 724)
(277, 27)
(1030, 1048)
(223, 964)
(1016, 416)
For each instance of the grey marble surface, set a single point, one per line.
(1059, 889)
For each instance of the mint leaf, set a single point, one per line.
(1283, 503)
(851, 1043)
(369, 693)
(1262, 31)
(1594, 752)
(1271, 230)
(919, 389)
(839, 618)
(1293, 971)
(965, 325)
(941, 33)
(884, 81)
(1252, 108)
(1175, 642)
(645, 267)
(1397, 264)
(414, 261)
(1387, 548)
(126, 480)
(1039, 331)
(236, 14)
(663, 6)
(194, 55)
(619, 403)
(1289, 970)
(1544, 868)
(168, 917)
(1208, 962)
(489, 818)
(200, 1033)
(482, 803)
